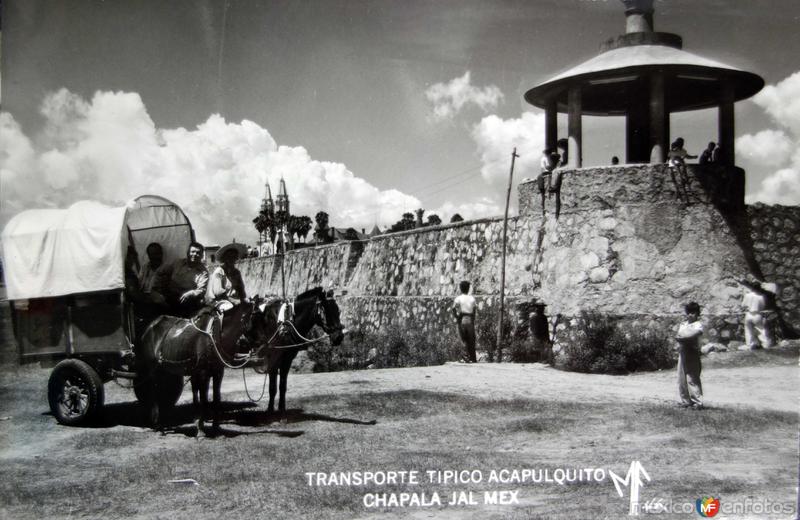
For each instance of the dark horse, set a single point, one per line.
(286, 338)
(200, 347)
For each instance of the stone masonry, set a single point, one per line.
(630, 241)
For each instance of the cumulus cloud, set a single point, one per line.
(782, 187)
(767, 147)
(782, 102)
(449, 98)
(777, 149)
(109, 149)
(497, 137)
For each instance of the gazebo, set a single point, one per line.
(644, 76)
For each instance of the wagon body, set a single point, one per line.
(65, 281)
(89, 325)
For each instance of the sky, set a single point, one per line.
(367, 109)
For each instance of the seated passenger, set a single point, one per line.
(183, 283)
(225, 283)
(147, 275)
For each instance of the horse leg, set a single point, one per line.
(284, 375)
(151, 406)
(217, 387)
(202, 384)
(273, 388)
(195, 392)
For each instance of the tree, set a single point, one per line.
(266, 224)
(351, 234)
(456, 218)
(434, 220)
(405, 223)
(299, 225)
(321, 233)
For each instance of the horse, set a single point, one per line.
(288, 335)
(200, 347)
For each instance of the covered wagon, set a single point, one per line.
(65, 274)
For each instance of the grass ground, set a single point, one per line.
(257, 467)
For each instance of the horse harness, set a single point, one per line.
(286, 327)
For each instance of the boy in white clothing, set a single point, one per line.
(689, 387)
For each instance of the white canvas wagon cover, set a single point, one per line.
(55, 252)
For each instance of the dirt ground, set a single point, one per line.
(765, 388)
(723, 387)
(763, 381)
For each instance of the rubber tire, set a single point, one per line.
(84, 382)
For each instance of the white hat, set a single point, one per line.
(240, 249)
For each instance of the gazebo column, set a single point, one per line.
(727, 154)
(574, 127)
(550, 125)
(659, 119)
(637, 126)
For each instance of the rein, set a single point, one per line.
(283, 322)
(214, 344)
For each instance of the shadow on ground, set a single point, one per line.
(182, 419)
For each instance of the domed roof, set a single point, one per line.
(612, 80)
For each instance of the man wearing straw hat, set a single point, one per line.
(225, 283)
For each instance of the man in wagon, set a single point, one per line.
(225, 283)
(147, 304)
(183, 283)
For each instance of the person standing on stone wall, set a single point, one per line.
(756, 327)
(676, 158)
(547, 164)
(562, 146)
(690, 389)
(464, 312)
(707, 156)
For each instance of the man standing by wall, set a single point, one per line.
(464, 312)
(756, 329)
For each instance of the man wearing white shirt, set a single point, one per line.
(756, 330)
(464, 312)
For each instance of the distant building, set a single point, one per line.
(211, 253)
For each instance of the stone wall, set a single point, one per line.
(629, 242)
(608, 187)
(329, 266)
(775, 234)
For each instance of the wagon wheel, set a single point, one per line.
(75, 392)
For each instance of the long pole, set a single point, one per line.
(503, 253)
(283, 261)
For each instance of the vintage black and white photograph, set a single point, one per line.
(355, 259)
